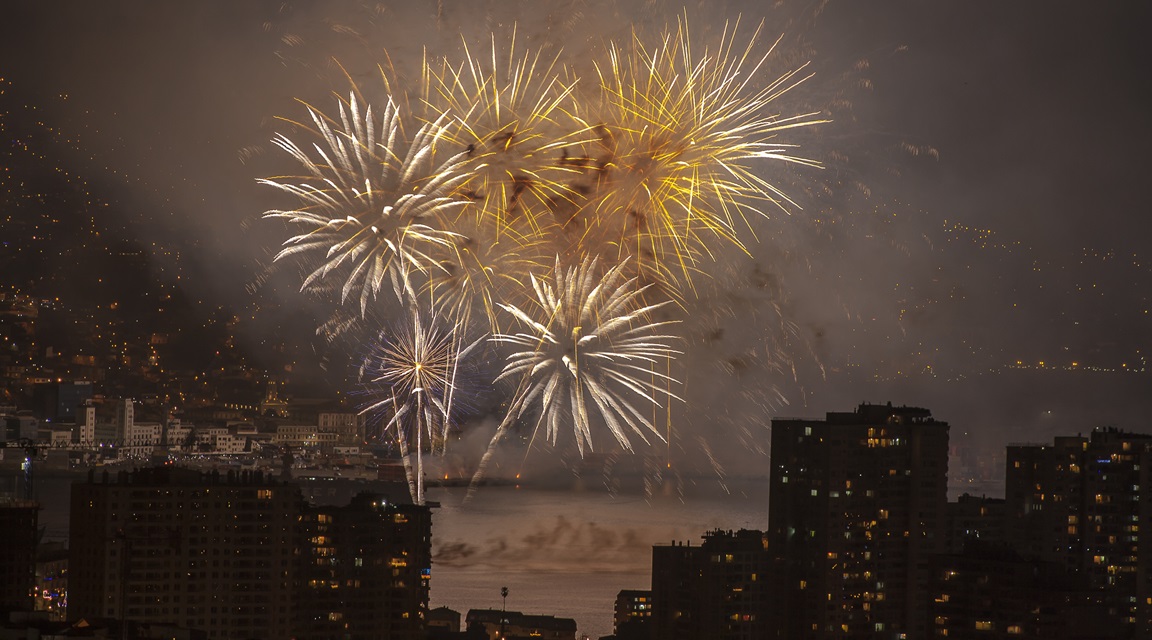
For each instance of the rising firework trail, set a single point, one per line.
(414, 373)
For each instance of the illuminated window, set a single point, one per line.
(983, 625)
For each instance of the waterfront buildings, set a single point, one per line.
(239, 555)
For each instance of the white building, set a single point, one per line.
(349, 427)
(141, 438)
(84, 431)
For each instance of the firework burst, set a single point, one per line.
(414, 373)
(588, 340)
(372, 204)
(677, 135)
(480, 271)
(510, 118)
(571, 230)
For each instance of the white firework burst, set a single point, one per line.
(589, 343)
(372, 205)
(413, 375)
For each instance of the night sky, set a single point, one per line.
(976, 242)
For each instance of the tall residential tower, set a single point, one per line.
(856, 509)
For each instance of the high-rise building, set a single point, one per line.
(973, 518)
(59, 401)
(84, 431)
(718, 590)
(364, 571)
(205, 551)
(990, 592)
(18, 519)
(1043, 491)
(1086, 503)
(240, 555)
(855, 511)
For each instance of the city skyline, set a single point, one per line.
(975, 231)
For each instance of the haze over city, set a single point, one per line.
(972, 241)
(974, 233)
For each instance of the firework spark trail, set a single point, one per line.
(588, 340)
(479, 272)
(377, 208)
(416, 370)
(676, 135)
(510, 118)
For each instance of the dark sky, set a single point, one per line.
(983, 201)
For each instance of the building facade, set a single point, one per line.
(856, 510)
(632, 614)
(18, 522)
(1085, 503)
(205, 551)
(240, 555)
(365, 570)
(719, 589)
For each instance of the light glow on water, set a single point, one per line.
(567, 554)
